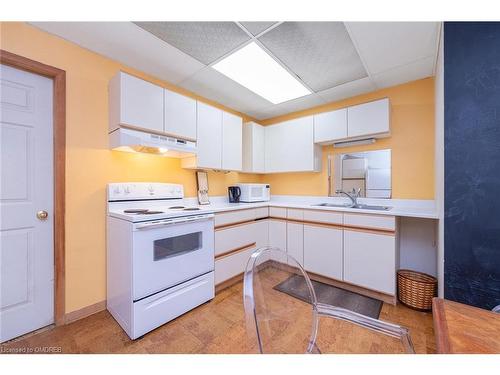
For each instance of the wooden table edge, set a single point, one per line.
(440, 326)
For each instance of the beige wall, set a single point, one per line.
(411, 142)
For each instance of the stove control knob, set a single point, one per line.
(126, 190)
(116, 190)
(151, 189)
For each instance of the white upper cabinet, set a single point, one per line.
(254, 142)
(290, 147)
(209, 141)
(330, 126)
(180, 115)
(135, 102)
(219, 140)
(368, 119)
(232, 139)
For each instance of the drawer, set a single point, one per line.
(225, 218)
(261, 212)
(370, 221)
(160, 308)
(321, 216)
(227, 239)
(232, 265)
(295, 214)
(277, 212)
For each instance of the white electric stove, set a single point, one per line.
(160, 255)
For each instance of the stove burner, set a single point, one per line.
(191, 209)
(148, 212)
(141, 211)
(135, 210)
(176, 208)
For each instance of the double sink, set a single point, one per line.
(356, 206)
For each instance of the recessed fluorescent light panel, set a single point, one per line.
(253, 68)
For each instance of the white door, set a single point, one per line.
(323, 251)
(232, 141)
(26, 242)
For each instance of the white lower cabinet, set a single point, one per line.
(277, 234)
(295, 241)
(323, 251)
(370, 260)
(234, 245)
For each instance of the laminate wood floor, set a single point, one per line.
(218, 327)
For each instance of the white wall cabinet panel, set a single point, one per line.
(135, 102)
(295, 241)
(323, 248)
(232, 139)
(330, 126)
(277, 235)
(290, 147)
(180, 115)
(209, 139)
(368, 118)
(253, 148)
(370, 260)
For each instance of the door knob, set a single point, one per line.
(42, 215)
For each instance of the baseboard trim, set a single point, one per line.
(84, 312)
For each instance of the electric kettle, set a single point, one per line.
(234, 193)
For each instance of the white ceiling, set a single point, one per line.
(337, 60)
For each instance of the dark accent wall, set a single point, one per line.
(472, 163)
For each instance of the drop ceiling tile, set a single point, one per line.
(256, 28)
(294, 105)
(348, 90)
(385, 45)
(213, 85)
(205, 41)
(320, 53)
(128, 44)
(416, 70)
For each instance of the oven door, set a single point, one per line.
(169, 252)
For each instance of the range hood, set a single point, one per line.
(131, 140)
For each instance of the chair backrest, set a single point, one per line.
(278, 322)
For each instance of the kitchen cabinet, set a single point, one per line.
(370, 260)
(232, 140)
(295, 241)
(253, 148)
(277, 234)
(219, 140)
(180, 115)
(323, 250)
(330, 126)
(136, 103)
(369, 119)
(290, 147)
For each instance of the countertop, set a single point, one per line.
(400, 207)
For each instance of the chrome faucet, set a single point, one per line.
(353, 196)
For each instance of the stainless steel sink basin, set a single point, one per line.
(358, 206)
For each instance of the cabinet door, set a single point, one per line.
(139, 103)
(290, 146)
(368, 118)
(258, 149)
(209, 140)
(323, 251)
(370, 260)
(277, 235)
(232, 141)
(330, 126)
(180, 115)
(295, 241)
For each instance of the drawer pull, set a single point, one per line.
(235, 251)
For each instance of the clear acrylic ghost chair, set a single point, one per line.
(279, 323)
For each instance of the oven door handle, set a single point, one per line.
(190, 219)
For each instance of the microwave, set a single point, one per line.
(254, 192)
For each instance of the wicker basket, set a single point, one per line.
(416, 289)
